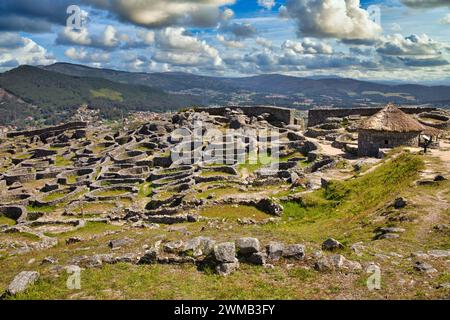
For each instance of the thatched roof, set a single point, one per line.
(391, 119)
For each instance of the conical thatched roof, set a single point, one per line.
(391, 119)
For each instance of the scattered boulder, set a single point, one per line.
(247, 246)
(331, 245)
(73, 240)
(399, 203)
(275, 250)
(294, 251)
(270, 207)
(225, 252)
(116, 244)
(424, 267)
(439, 178)
(225, 269)
(173, 246)
(49, 260)
(258, 258)
(21, 282)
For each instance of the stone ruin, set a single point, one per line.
(61, 177)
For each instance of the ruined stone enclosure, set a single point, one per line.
(163, 201)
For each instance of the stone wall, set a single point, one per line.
(370, 142)
(49, 130)
(279, 114)
(318, 116)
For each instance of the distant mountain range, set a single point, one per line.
(56, 90)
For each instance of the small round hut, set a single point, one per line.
(388, 128)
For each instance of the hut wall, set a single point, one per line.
(369, 143)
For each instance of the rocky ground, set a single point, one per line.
(306, 221)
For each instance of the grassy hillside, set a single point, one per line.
(57, 95)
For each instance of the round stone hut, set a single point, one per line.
(389, 128)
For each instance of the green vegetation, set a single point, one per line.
(7, 221)
(343, 205)
(145, 190)
(234, 212)
(45, 209)
(111, 193)
(55, 195)
(107, 94)
(60, 161)
(57, 95)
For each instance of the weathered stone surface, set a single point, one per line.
(332, 244)
(275, 250)
(73, 240)
(247, 246)
(225, 252)
(258, 258)
(424, 267)
(173, 246)
(294, 251)
(439, 253)
(49, 260)
(270, 207)
(21, 282)
(323, 264)
(150, 257)
(399, 203)
(225, 269)
(117, 243)
(198, 246)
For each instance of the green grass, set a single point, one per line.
(45, 209)
(145, 190)
(106, 93)
(343, 207)
(111, 193)
(71, 179)
(55, 195)
(215, 174)
(60, 161)
(7, 221)
(233, 212)
(133, 282)
(252, 165)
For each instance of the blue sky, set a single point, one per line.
(411, 42)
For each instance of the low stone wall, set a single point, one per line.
(49, 130)
(281, 114)
(318, 116)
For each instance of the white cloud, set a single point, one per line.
(263, 42)
(230, 43)
(163, 13)
(340, 19)
(446, 19)
(16, 50)
(268, 4)
(420, 45)
(308, 46)
(179, 48)
(82, 55)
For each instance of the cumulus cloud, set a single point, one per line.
(177, 47)
(239, 30)
(268, 4)
(307, 46)
(398, 45)
(16, 50)
(263, 42)
(82, 55)
(340, 19)
(446, 19)
(162, 13)
(426, 3)
(108, 39)
(230, 43)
